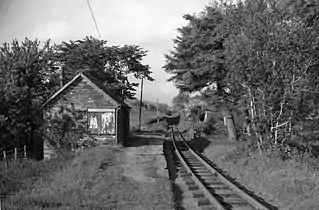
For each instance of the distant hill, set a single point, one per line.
(150, 106)
(149, 114)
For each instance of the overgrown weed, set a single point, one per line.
(21, 174)
(92, 180)
(285, 177)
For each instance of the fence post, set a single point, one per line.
(2, 196)
(5, 159)
(15, 153)
(25, 151)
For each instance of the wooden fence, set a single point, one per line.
(16, 153)
(5, 156)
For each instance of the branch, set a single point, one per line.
(304, 72)
(310, 91)
(281, 108)
(278, 126)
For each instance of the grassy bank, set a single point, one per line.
(93, 180)
(288, 184)
(146, 117)
(23, 173)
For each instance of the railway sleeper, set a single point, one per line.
(188, 154)
(193, 187)
(203, 173)
(228, 195)
(198, 195)
(202, 169)
(211, 180)
(185, 175)
(196, 165)
(240, 203)
(191, 159)
(203, 202)
(183, 170)
(190, 182)
(220, 187)
(213, 183)
(193, 162)
(209, 177)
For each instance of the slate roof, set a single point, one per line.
(95, 79)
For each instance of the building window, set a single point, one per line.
(101, 121)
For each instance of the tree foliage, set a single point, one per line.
(23, 87)
(29, 74)
(256, 55)
(198, 61)
(274, 57)
(306, 10)
(180, 101)
(114, 61)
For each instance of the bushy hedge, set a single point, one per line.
(64, 130)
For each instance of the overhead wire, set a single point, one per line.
(94, 20)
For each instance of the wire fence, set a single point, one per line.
(14, 154)
(9, 155)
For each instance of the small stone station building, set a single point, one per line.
(105, 115)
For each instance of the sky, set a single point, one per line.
(147, 23)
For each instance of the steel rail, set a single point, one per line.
(251, 200)
(208, 194)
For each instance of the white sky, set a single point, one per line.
(147, 23)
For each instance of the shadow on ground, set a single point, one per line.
(143, 139)
(148, 132)
(173, 170)
(199, 144)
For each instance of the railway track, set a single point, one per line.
(210, 186)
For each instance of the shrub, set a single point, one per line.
(203, 128)
(65, 131)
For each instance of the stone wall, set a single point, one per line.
(82, 96)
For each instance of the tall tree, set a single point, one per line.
(272, 55)
(306, 10)
(258, 54)
(24, 86)
(117, 62)
(198, 61)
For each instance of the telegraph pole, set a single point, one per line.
(141, 103)
(157, 110)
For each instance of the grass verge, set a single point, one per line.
(288, 184)
(23, 173)
(93, 180)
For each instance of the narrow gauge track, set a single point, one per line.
(213, 189)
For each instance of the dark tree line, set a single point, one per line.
(257, 56)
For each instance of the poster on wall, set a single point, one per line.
(101, 123)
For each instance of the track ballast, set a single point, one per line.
(211, 187)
